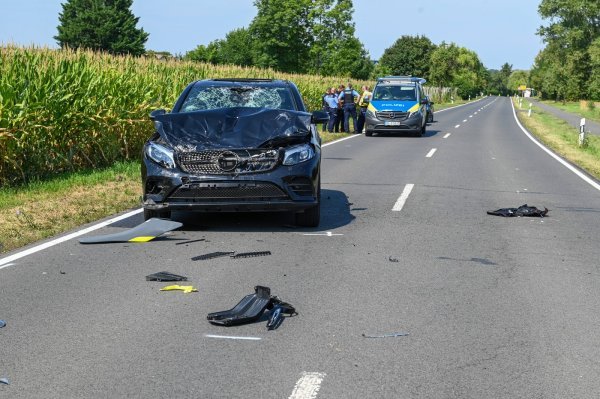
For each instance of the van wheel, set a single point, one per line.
(368, 133)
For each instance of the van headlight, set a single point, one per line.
(298, 153)
(161, 155)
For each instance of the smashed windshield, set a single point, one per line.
(399, 93)
(203, 98)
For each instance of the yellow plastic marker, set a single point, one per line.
(141, 239)
(185, 288)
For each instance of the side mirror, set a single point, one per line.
(156, 113)
(424, 101)
(319, 117)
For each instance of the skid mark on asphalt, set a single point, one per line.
(307, 386)
(403, 197)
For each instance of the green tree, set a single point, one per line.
(454, 66)
(237, 48)
(409, 55)
(518, 78)
(105, 25)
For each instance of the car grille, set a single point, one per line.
(251, 191)
(228, 162)
(301, 186)
(392, 115)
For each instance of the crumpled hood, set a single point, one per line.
(232, 128)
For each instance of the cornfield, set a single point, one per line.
(67, 110)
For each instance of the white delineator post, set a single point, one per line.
(581, 132)
(529, 113)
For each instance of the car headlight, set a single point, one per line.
(297, 154)
(414, 113)
(161, 155)
(370, 113)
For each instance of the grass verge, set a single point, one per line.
(577, 109)
(562, 138)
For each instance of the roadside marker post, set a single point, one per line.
(582, 132)
(529, 113)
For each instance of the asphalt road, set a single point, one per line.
(494, 307)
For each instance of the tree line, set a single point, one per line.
(318, 37)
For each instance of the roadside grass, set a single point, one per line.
(562, 138)
(576, 108)
(46, 208)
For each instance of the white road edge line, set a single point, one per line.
(7, 265)
(232, 337)
(307, 386)
(446, 136)
(553, 155)
(402, 199)
(431, 152)
(41, 247)
(68, 237)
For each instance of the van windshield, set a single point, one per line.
(398, 93)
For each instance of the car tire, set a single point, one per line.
(151, 213)
(368, 133)
(430, 118)
(311, 217)
(422, 132)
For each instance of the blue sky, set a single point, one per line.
(498, 31)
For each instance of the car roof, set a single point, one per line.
(230, 81)
(401, 80)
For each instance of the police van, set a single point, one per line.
(397, 106)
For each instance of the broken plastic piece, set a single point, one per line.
(213, 255)
(2, 323)
(4, 381)
(393, 259)
(190, 241)
(165, 276)
(185, 288)
(399, 334)
(523, 210)
(251, 307)
(251, 254)
(144, 232)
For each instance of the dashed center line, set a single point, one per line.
(403, 197)
(470, 116)
(457, 126)
(431, 152)
(446, 136)
(307, 386)
(232, 337)
(464, 120)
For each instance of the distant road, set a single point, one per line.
(494, 307)
(572, 119)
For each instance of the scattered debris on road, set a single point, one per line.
(523, 210)
(213, 255)
(191, 241)
(251, 308)
(393, 259)
(185, 288)
(2, 323)
(144, 232)
(399, 334)
(4, 381)
(165, 276)
(251, 254)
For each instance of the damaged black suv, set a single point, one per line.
(235, 145)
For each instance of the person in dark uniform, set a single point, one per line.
(324, 105)
(350, 97)
(339, 122)
(332, 108)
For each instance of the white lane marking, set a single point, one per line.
(307, 386)
(470, 116)
(457, 126)
(68, 237)
(461, 105)
(340, 140)
(328, 234)
(7, 265)
(402, 199)
(464, 120)
(553, 155)
(232, 337)
(446, 136)
(431, 152)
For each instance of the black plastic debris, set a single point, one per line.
(144, 232)
(393, 259)
(2, 323)
(191, 241)
(165, 276)
(4, 381)
(251, 308)
(398, 334)
(250, 254)
(523, 210)
(213, 255)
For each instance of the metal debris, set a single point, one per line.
(191, 241)
(165, 276)
(251, 254)
(399, 334)
(213, 255)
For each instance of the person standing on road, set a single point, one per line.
(363, 103)
(324, 105)
(339, 122)
(349, 96)
(332, 108)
